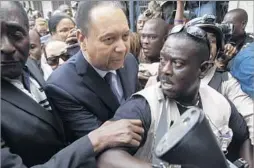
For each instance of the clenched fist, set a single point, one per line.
(117, 133)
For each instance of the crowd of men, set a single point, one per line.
(84, 91)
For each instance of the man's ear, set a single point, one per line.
(80, 36)
(244, 23)
(82, 39)
(204, 67)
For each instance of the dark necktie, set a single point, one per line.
(108, 79)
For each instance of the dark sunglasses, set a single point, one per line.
(54, 60)
(192, 31)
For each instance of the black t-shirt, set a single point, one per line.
(138, 108)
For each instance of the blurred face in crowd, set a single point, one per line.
(65, 9)
(41, 26)
(14, 40)
(239, 24)
(63, 28)
(35, 45)
(107, 41)
(56, 53)
(141, 22)
(180, 68)
(152, 39)
(31, 24)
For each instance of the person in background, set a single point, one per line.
(36, 14)
(141, 22)
(65, 9)
(49, 15)
(153, 37)
(62, 28)
(242, 68)
(32, 134)
(41, 26)
(223, 81)
(135, 45)
(239, 38)
(56, 53)
(31, 23)
(74, 7)
(103, 72)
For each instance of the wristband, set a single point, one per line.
(179, 21)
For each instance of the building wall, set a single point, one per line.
(46, 7)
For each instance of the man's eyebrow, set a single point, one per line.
(16, 26)
(113, 33)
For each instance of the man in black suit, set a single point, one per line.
(91, 85)
(31, 132)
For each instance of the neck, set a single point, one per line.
(239, 38)
(190, 100)
(152, 59)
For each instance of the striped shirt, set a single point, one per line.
(35, 91)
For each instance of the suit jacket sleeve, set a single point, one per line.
(78, 121)
(78, 154)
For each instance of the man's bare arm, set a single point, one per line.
(117, 158)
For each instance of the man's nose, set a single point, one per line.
(6, 46)
(145, 40)
(167, 69)
(121, 46)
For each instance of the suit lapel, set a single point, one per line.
(35, 72)
(125, 82)
(19, 99)
(96, 84)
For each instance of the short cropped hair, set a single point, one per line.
(201, 46)
(84, 10)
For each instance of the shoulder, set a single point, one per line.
(64, 73)
(215, 98)
(130, 60)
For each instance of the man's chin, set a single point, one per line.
(170, 94)
(11, 71)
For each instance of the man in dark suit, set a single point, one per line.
(88, 88)
(31, 132)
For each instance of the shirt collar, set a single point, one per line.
(100, 72)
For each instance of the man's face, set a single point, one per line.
(35, 45)
(140, 23)
(151, 40)
(66, 9)
(14, 41)
(107, 42)
(42, 29)
(231, 18)
(31, 24)
(179, 68)
(64, 27)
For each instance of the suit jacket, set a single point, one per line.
(83, 98)
(31, 135)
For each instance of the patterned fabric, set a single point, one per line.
(31, 88)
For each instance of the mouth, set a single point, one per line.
(166, 86)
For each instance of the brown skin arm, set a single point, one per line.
(179, 18)
(246, 152)
(117, 158)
